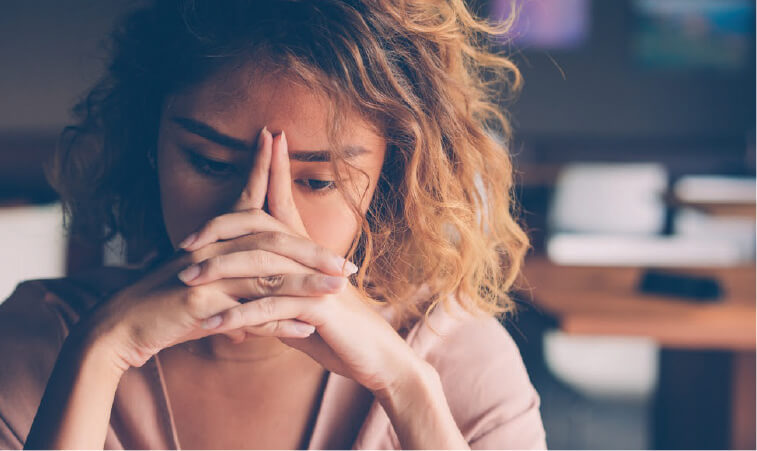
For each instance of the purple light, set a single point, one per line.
(546, 24)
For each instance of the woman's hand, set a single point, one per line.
(352, 338)
(159, 311)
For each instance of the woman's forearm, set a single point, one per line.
(75, 409)
(419, 412)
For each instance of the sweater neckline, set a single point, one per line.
(167, 416)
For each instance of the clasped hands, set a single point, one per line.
(304, 299)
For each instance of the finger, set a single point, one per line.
(304, 251)
(287, 328)
(317, 348)
(254, 263)
(295, 247)
(253, 194)
(280, 200)
(232, 225)
(206, 302)
(202, 301)
(281, 285)
(264, 310)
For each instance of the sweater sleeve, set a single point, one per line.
(487, 386)
(31, 335)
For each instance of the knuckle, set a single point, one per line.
(310, 283)
(196, 257)
(313, 283)
(260, 258)
(194, 300)
(321, 253)
(252, 286)
(266, 307)
(325, 301)
(189, 258)
(270, 284)
(255, 212)
(271, 327)
(214, 266)
(234, 317)
(276, 239)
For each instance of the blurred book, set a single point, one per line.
(696, 189)
(614, 214)
(650, 251)
(609, 198)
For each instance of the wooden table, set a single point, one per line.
(604, 301)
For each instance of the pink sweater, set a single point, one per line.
(486, 384)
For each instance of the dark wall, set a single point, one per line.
(606, 98)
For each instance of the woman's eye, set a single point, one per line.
(211, 167)
(317, 186)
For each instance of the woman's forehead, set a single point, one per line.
(239, 103)
(234, 97)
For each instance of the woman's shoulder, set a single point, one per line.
(485, 380)
(34, 322)
(60, 301)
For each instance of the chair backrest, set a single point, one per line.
(33, 244)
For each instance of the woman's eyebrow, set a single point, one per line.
(325, 155)
(211, 134)
(206, 131)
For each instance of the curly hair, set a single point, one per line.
(424, 72)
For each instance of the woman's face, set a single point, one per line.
(206, 154)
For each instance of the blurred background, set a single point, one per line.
(635, 152)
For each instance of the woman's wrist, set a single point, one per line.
(75, 408)
(408, 378)
(417, 408)
(91, 345)
(99, 342)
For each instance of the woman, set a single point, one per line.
(325, 267)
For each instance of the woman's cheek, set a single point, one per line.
(187, 203)
(331, 223)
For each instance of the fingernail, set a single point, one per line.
(351, 268)
(189, 273)
(284, 142)
(212, 322)
(188, 241)
(333, 282)
(342, 264)
(262, 135)
(304, 329)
